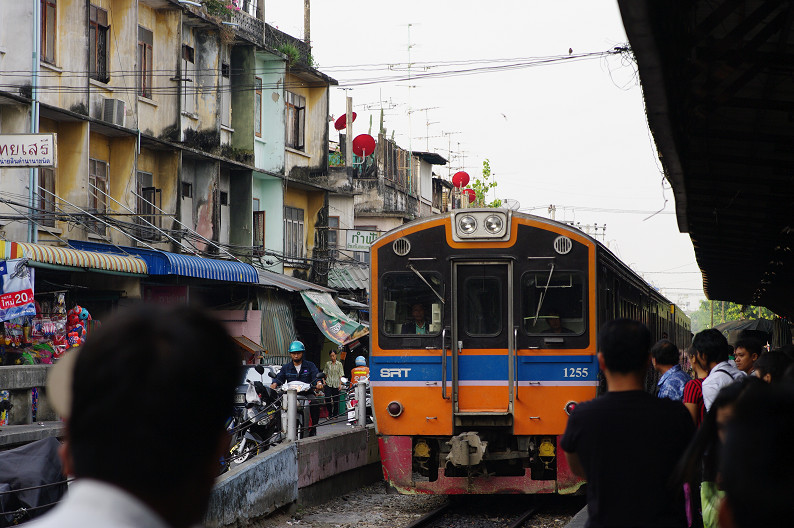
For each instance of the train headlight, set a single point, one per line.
(494, 224)
(394, 409)
(569, 407)
(467, 224)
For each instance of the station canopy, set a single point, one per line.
(718, 82)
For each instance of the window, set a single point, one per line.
(97, 43)
(188, 78)
(410, 306)
(333, 236)
(258, 107)
(361, 256)
(148, 202)
(293, 232)
(97, 189)
(259, 232)
(145, 62)
(553, 304)
(482, 306)
(187, 190)
(47, 197)
(296, 114)
(226, 95)
(48, 27)
(224, 198)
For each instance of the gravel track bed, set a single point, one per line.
(376, 506)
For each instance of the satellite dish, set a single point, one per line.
(512, 204)
(470, 193)
(363, 145)
(341, 121)
(460, 179)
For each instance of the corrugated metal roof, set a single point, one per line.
(349, 277)
(285, 282)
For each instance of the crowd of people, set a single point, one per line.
(711, 448)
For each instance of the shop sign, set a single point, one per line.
(17, 297)
(28, 150)
(360, 240)
(169, 295)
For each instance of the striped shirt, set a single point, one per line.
(693, 393)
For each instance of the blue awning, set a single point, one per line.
(166, 263)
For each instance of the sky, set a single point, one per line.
(560, 122)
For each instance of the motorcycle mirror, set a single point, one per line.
(260, 369)
(271, 374)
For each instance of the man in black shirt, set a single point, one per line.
(626, 442)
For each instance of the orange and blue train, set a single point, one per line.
(483, 340)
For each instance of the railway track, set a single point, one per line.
(483, 512)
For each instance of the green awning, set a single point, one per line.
(334, 324)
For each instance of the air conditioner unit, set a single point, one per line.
(113, 111)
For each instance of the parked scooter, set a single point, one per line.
(256, 421)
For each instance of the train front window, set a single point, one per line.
(553, 303)
(482, 306)
(410, 304)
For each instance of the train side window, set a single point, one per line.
(409, 305)
(553, 305)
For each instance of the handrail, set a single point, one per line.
(444, 364)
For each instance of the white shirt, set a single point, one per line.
(722, 374)
(95, 504)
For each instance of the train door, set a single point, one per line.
(482, 341)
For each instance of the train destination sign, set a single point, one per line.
(28, 150)
(360, 240)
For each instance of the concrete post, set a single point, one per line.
(361, 405)
(292, 415)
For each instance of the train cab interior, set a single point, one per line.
(553, 304)
(411, 303)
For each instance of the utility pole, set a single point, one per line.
(307, 23)
(348, 132)
(410, 149)
(449, 152)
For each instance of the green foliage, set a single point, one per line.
(217, 8)
(291, 51)
(725, 311)
(482, 186)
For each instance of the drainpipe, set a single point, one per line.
(33, 179)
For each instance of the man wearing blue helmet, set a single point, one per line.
(305, 371)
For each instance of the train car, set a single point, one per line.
(483, 339)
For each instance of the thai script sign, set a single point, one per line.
(16, 299)
(360, 240)
(28, 150)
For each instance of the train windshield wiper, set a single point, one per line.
(411, 267)
(543, 295)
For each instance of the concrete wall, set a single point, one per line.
(255, 489)
(303, 473)
(269, 149)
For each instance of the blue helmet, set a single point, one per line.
(361, 362)
(296, 346)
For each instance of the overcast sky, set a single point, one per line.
(559, 127)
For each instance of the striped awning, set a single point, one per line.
(73, 258)
(166, 263)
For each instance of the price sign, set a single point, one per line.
(16, 299)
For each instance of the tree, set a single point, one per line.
(482, 186)
(725, 311)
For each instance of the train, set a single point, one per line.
(483, 328)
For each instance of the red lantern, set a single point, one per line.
(341, 121)
(460, 179)
(363, 145)
(471, 194)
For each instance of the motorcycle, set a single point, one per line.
(304, 390)
(256, 420)
(351, 401)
